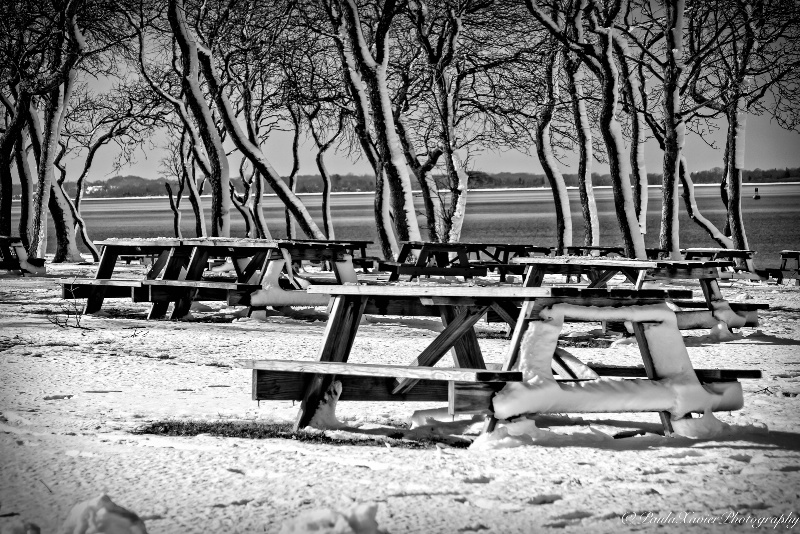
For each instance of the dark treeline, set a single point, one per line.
(136, 186)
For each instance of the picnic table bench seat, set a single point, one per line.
(465, 390)
(113, 288)
(233, 293)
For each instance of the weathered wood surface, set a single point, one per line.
(495, 292)
(287, 385)
(340, 332)
(368, 369)
(704, 375)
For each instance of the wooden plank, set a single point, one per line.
(370, 369)
(69, 291)
(282, 385)
(140, 242)
(411, 307)
(340, 331)
(704, 375)
(742, 306)
(116, 282)
(467, 351)
(108, 261)
(197, 284)
(173, 270)
(447, 338)
(599, 263)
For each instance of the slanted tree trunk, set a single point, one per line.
(253, 153)
(544, 149)
(615, 147)
(372, 69)
(219, 175)
(383, 217)
(694, 213)
(434, 212)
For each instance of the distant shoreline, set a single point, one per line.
(416, 191)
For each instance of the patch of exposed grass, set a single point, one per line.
(255, 430)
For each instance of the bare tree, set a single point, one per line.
(599, 57)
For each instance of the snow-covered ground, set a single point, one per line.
(70, 398)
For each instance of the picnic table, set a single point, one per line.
(176, 276)
(602, 270)
(14, 257)
(789, 268)
(468, 260)
(471, 387)
(742, 267)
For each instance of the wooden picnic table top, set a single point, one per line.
(492, 292)
(221, 242)
(621, 263)
(470, 246)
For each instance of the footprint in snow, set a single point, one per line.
(745, 458)
(686, 454)
(545, 498)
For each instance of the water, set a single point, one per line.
(512, 216)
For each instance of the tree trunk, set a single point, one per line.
(737, 123)
(395, 169)
(327, 221)
(591, 222)
(615, 146)
(255, 155)
(66, 244)
(174, 205)
(694, 213)
(544, 149)
(383, 218)
(217, 158)
(674, 129)
(255, 203)
(26, 198)
(291, 232)
(45, 175)
(635, 103)
(9, 140)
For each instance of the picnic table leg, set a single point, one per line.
(256, 264)
(466, 351)
(108, 260)
(649, 368)
(346, 312)
(447, 338)
(402, 256)
(194, 271)
(600, 280)
(176, 263)
(158, 266)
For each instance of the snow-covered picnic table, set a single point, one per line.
(526, 383)
(706, 272)
(176, 276)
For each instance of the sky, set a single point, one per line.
(767, 146)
